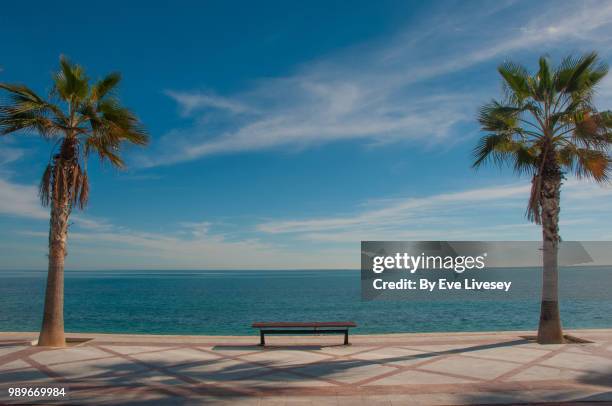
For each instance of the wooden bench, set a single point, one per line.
(292, 328)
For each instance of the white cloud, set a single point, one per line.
(9, 154)
(489, 213)
(21, 200)
(18, 200)
(93, 241)
(194, 101)
(399, 88)
(375, 91)
(410, 218)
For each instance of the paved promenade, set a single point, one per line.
(396, 369)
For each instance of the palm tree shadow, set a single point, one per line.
(210, 377)
(603, 379)
(327, 369)
(271, 347)
(600, 379)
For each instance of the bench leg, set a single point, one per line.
(262, 339)
(346, 341)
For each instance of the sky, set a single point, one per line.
(284, 133)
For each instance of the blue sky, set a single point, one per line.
(284, 133)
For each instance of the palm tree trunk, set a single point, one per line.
(52, 331)
(549, 330)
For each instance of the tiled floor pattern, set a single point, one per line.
(418, 369)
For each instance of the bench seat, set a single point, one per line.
(299, 328)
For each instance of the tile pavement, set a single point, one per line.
(395, 369)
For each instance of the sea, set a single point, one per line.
(228, 302)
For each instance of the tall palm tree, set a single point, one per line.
(546, 126)
(81, 117)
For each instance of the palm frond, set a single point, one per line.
(90, 121)
(517, 82)
(23, 109)
(545, 88)
(497, 117)
(84, 190)
(524, 158)
(579, 76)
(45, 186)
(70, 83)
(105, 148)
(105, 86)
(547, 124)
(534, 207)
(586, 163)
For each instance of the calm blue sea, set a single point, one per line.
(227, 302)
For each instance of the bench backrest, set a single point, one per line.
(288, 324)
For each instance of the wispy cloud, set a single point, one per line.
(18, 200)
(187, 247)
(9, 155)
(193, 245)
(191, 102)
(21, 200)
(383, 91)
(486, 213)
(398, 212)
(489, 213)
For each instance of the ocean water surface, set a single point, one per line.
(227, 302)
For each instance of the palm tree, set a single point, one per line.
(82, 118)
(546, 126)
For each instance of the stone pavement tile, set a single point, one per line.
(583, 349)
(434, 399)
(487, 397)
(351, 401)
(69, 354)
(470, 367)
(11, 349)
(325, 400)
(230, 401)
(401, 400)
(465, 398)
(17, 364)
(547, 347)
(156, 377)
(281, 380)
(284, 357)
(558, 395)
(101, 397)
(436, 348)
(513, 354)
(304, 401)
(598, 396)
(377, 400)
(393, 355)
(544, 348)
(540, 373)
(414, 377)
(345, 349)
(347, 371)
(232, 350)
(169, 357)
(134, 349)
(220, 370)
(106, 368)
(23, 376)
(583, 362)
(272, 401)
